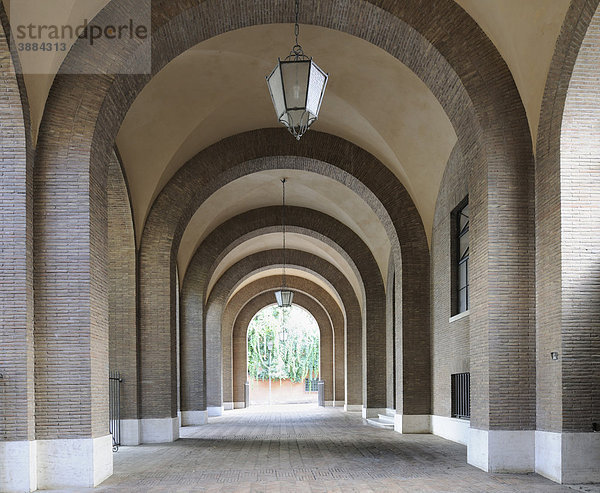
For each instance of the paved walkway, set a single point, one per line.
(304, 448)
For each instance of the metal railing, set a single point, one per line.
(461, 395)
(114, 408)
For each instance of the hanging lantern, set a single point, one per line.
(297, 86)
(284, 298)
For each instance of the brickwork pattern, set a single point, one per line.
(580, 239)
(304, 261)
(298, 284)
(474, 60)
(304, 221)
(240, 340)
(17, 421)
(449, 340)
(549, 259)
(122, 301)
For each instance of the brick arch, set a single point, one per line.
(468, 77)
(240, 347)
(261, 261)
(266, 220)
(309, 288)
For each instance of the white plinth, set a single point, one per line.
(159, 430)
(18, 466)
(501, 450)
(239, 405)
(353, 408)
(412, 423)
(453, 429)
(76, 463)
(130, 432)
(228, 406)
(372, 412)
(339, 403)
(329, 403)
(568, 458)
(194, 418)
(215, 411)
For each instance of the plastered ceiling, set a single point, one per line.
(272, 241)
(302, 190)
(318, 280)
(217, 89)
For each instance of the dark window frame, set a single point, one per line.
(460, 390)
(458, 260)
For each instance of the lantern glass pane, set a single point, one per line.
(276, 89)
(284, 298)
(316, 87)
(295, 81)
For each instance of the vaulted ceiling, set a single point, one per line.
(217, 89)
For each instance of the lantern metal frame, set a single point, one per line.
(307, 118)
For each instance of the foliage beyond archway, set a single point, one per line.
(295, 358)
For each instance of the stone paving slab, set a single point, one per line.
(304, 448)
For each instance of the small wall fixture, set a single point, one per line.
(554, 355)
(297, 86)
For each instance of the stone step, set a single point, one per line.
(386, 418)
(380, 424)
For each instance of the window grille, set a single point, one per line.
(461, 395)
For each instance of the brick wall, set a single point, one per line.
(122, 293)
(16, 252)
(298, 284)
(449, 340)
(580, 240)
(556, 189)
(240, 337)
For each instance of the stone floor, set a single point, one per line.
(304, 448)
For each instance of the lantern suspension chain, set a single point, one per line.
(297, 51)
(283, 224)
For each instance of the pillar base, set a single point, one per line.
(570, 458)
(239, 405)
(339, 403)
(329, 403)
(159, 430)
(502, 450)
(353, 408)
(215, 411)
(194, 418)
(18, 466)
(412, 423)
(372, 412)
(74, 463)
(130, 432)
(228, 406)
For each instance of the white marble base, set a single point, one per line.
(76, 463)
(568, 458)
(18, 466)
(453, 429)
(339, 403)
(194, 418)
(159, 430)
(215, 411)
(130, 432)
(372, 412)
(329, 403)
(501, 450)
(412, 423)
(353, 408)
(228, 406)
(239, 405)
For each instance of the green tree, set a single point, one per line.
(296, 358)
